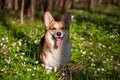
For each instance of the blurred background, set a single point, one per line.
(36, 8)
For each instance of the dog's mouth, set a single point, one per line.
(59, 41)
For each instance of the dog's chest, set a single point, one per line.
(58, 57)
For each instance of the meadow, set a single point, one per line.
(95, 41)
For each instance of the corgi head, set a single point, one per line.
(58, 30)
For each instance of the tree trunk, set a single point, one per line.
(33, 4)
(114, 2)
(42, 7)
(50, 5)
(100, 2)
(1, 10)
(16, 5)
(29, 12)
(66, 6)
(92, 5)
(22, 12)
(8, 6)
(58, 5)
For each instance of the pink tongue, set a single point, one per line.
(59, 42)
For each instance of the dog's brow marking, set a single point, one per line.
(56, 25)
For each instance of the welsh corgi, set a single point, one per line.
(55, 47)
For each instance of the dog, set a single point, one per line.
(55, 47)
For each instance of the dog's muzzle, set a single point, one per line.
(59, 38)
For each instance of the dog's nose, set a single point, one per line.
(58, 33)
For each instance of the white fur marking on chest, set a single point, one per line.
(57, 57)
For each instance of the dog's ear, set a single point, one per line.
(48, 18)
(67, 19)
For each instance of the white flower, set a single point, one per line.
(79, 44)
(92, 60)
(89, 57)
(35, 41)
(5, 66)
(99, 44)
(92, 64)
(4, 52)
(28, 69)
(91, 34)
(23, 53)
(13, 44)
(21, 57)
(82, 38)
(95, 72)
(17, 48)
(91, 53)
(116, 67)
(5, 46)
(8, 60)
(72, 16)
(82, 55)
(104, 46)
(112, 36)
(118, 64)
(24, 64)
(33, 74)
(63, 74)
(90, 43)
(111, 59)
(4, 49)
(34, 68)
(102, 69)
(98, 69)
(19, 42)
(5, 72)
(84, 52)
(1, 44)
(15, 55)
(25, 43)
(3, 39)
(36, 62)
(6, 39)
(3, 69)
(17, 72)
(25, 59)
(107, 59)
(13, 22)
(15, 76)
(104, 62)
(110, 47)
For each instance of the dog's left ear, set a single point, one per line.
(67, 19)
(48, 18)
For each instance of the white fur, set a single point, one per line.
(58, 57)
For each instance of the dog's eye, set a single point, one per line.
(53, 28)
(63, 28)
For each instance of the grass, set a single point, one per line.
(95, 48)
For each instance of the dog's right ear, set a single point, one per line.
(48, 18)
